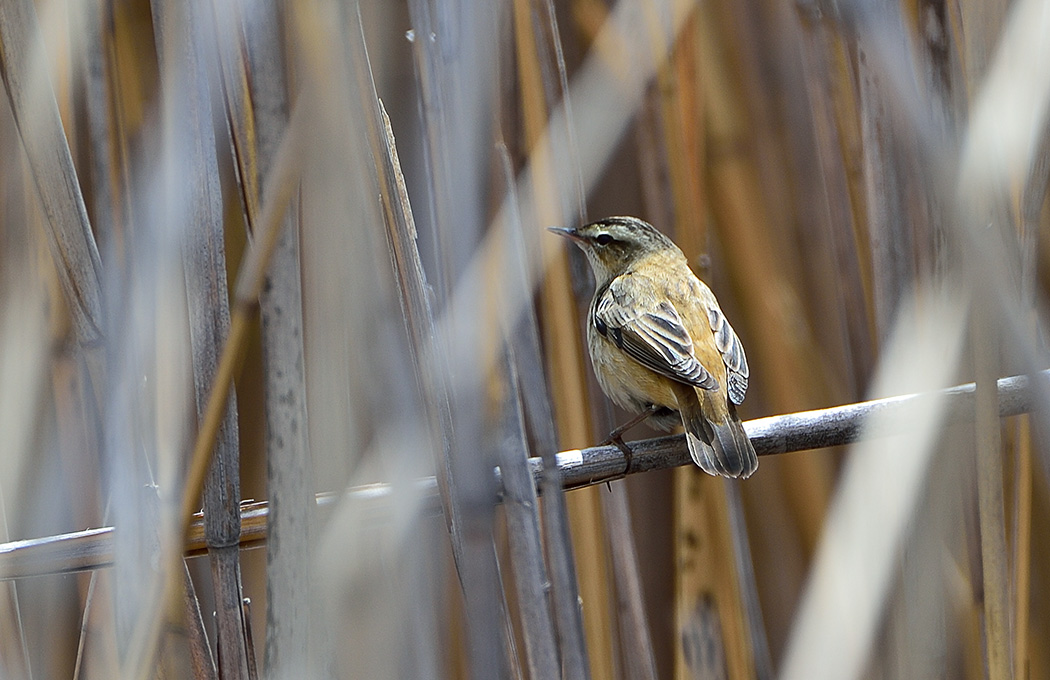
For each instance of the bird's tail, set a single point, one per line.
(718, 445)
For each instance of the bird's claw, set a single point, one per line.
(628, 455)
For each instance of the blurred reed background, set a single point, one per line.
(338, 208)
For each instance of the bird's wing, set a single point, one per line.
(732, 354)
(651, 333)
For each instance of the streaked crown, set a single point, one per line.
(613, 244)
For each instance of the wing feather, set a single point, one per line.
(651, 334)
(732, 354)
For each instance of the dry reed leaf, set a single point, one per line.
(875, 501)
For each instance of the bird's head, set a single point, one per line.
(614, 244)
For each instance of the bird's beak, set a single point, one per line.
(567, 232)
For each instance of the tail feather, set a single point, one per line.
(734, 449)
(719, 448)
(702, 454)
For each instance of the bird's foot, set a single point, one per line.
(628, 455)
(615, 437)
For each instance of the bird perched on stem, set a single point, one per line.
(661, 346)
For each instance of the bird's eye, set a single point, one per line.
(603, 239)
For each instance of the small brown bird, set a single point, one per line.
(660, 345)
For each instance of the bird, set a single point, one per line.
(661, 346)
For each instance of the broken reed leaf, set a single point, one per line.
(789, 433)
